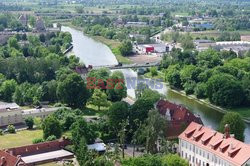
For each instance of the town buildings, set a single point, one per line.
(203, 146)
(152, 48)
(178, 117)
(23, 20)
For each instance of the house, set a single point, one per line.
(203, 146)
(202, 45)
(37, 153)
(10, 113)
(178, 117)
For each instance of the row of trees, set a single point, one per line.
(219, 76)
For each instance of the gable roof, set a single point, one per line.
(229, 149)
(7, 159)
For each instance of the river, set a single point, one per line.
(95, 53)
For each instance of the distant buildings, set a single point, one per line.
(178, 117)
(239, 47)
(136, 24)
(152, 48)
(203, 146)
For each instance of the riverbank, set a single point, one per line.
(207, 103)
(112, 44)
(241, 111)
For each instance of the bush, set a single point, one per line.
(11, 129)
(37, 140)
(51, 138)
(38, 123)
(1, 132)
(29, 122)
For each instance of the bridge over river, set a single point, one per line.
(130, 66)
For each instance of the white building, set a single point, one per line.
(202, 146)
(10, 113)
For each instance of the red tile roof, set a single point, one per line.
(7, 159)
(181, 117)
(229, 149)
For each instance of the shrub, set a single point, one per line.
(11, 129)
(51, 138)
(1, 132)
(37, 140)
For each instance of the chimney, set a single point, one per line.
(3, 161)
(227, 131)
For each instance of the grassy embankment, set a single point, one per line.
(114, 46)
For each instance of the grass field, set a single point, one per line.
(21, 138)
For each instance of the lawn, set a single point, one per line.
(50, 164)
(21, 138)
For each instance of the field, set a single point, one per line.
(21, 138)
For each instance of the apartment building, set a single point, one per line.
(203, 146)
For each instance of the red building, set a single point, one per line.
(35, 154)
(148, 48)
(178, 117)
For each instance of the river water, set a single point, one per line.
(95, 53)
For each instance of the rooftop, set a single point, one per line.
(229, 149)
(8, 106)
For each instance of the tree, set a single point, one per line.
(126, 48)
(224, 90)
(236, 125)
(118, 92)
(81, 129)
(154, 129)
(73, 91)
(187, 42)
(99, 99)
(118, 111)
(146, 160)
(51, 126)
(153, 71)
(152, 96)
(173, 160)
(7, 89)
(209, 58)
(200, 90)
(13, 43)
(29, 122)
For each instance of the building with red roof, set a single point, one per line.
(203, 146)
(178, 117)
(35, 154)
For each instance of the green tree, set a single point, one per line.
(11, 129)
(81, 129)
(236, 125)
(51, 126)
(153, 71)
(118, 111)
(126, 48)
(29, 122)
(154, 129)
(173, 160)
(99, 99)
(200, 90)
(224, 90)
(7, 89)
(13, 43)
(73, 91)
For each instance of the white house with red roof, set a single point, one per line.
(203, 146)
